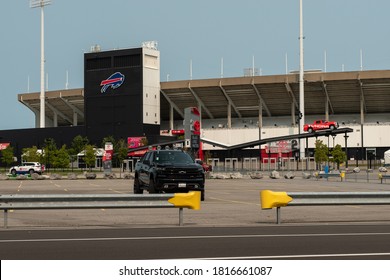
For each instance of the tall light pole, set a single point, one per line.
(41, 4)
(301, 81)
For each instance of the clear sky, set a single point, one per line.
(201, 31)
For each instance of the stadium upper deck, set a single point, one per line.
(326, 94)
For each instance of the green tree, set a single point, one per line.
(121, 152)
(61, 158)
(320, 152)
(50, 149)
(8, 156)
(78, 144)
(338, 155)
(90, 156)
(31, 154)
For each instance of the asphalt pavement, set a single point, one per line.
(229, 202)
(223, 243)
(229, 225)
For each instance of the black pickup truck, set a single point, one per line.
(168, 171)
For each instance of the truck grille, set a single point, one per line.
(182, 173)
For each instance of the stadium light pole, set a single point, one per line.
(301, 81)
(41, 4)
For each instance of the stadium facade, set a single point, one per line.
(123, 97)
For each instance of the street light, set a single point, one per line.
(41, 4)
(301, 81)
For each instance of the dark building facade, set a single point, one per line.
(116, 90)
(121, 99)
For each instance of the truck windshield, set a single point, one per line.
(172, 157)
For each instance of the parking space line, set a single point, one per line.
(299, 256)
(115, 191)
(218, 192)
(234, 201)
(19, 187)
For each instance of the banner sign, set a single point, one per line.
(135, 142)
(284, 146)
(4, 146)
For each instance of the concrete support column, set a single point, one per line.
(260, 125)
(170, 117)
(362, 126)
(75, 119)
(55, 119)
(200, 113)
(260, 117)
(229, 115)
(361, 110)
(37, 116)
(293, 119)
(326, 110)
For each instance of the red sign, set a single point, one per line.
(108, 151)
(177, 131)
(135, 142)
(138, 153)
(196, 127)
(283, 146)
(107, 155)
(4, 146)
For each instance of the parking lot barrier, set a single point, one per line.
(189, 200)
(270, 199)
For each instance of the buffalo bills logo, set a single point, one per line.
(114, 81)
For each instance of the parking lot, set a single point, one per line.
(229, 202)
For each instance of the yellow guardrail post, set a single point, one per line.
(342, 175)
(189, 200)
(270, 199)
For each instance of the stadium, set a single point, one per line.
(232, 111)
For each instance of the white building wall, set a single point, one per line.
(151, 86)
(375, 135)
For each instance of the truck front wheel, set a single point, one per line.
(152, 188)
(137, 186)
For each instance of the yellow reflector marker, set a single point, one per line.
(270, 199)
(189, 200)
(380, 176)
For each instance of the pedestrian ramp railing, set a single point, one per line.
(189, 200)
(270, 199)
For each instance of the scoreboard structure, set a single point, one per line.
(122, 93)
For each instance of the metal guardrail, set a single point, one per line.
(318, 175)
(270, 199)
(383, 177)
(189, 200)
